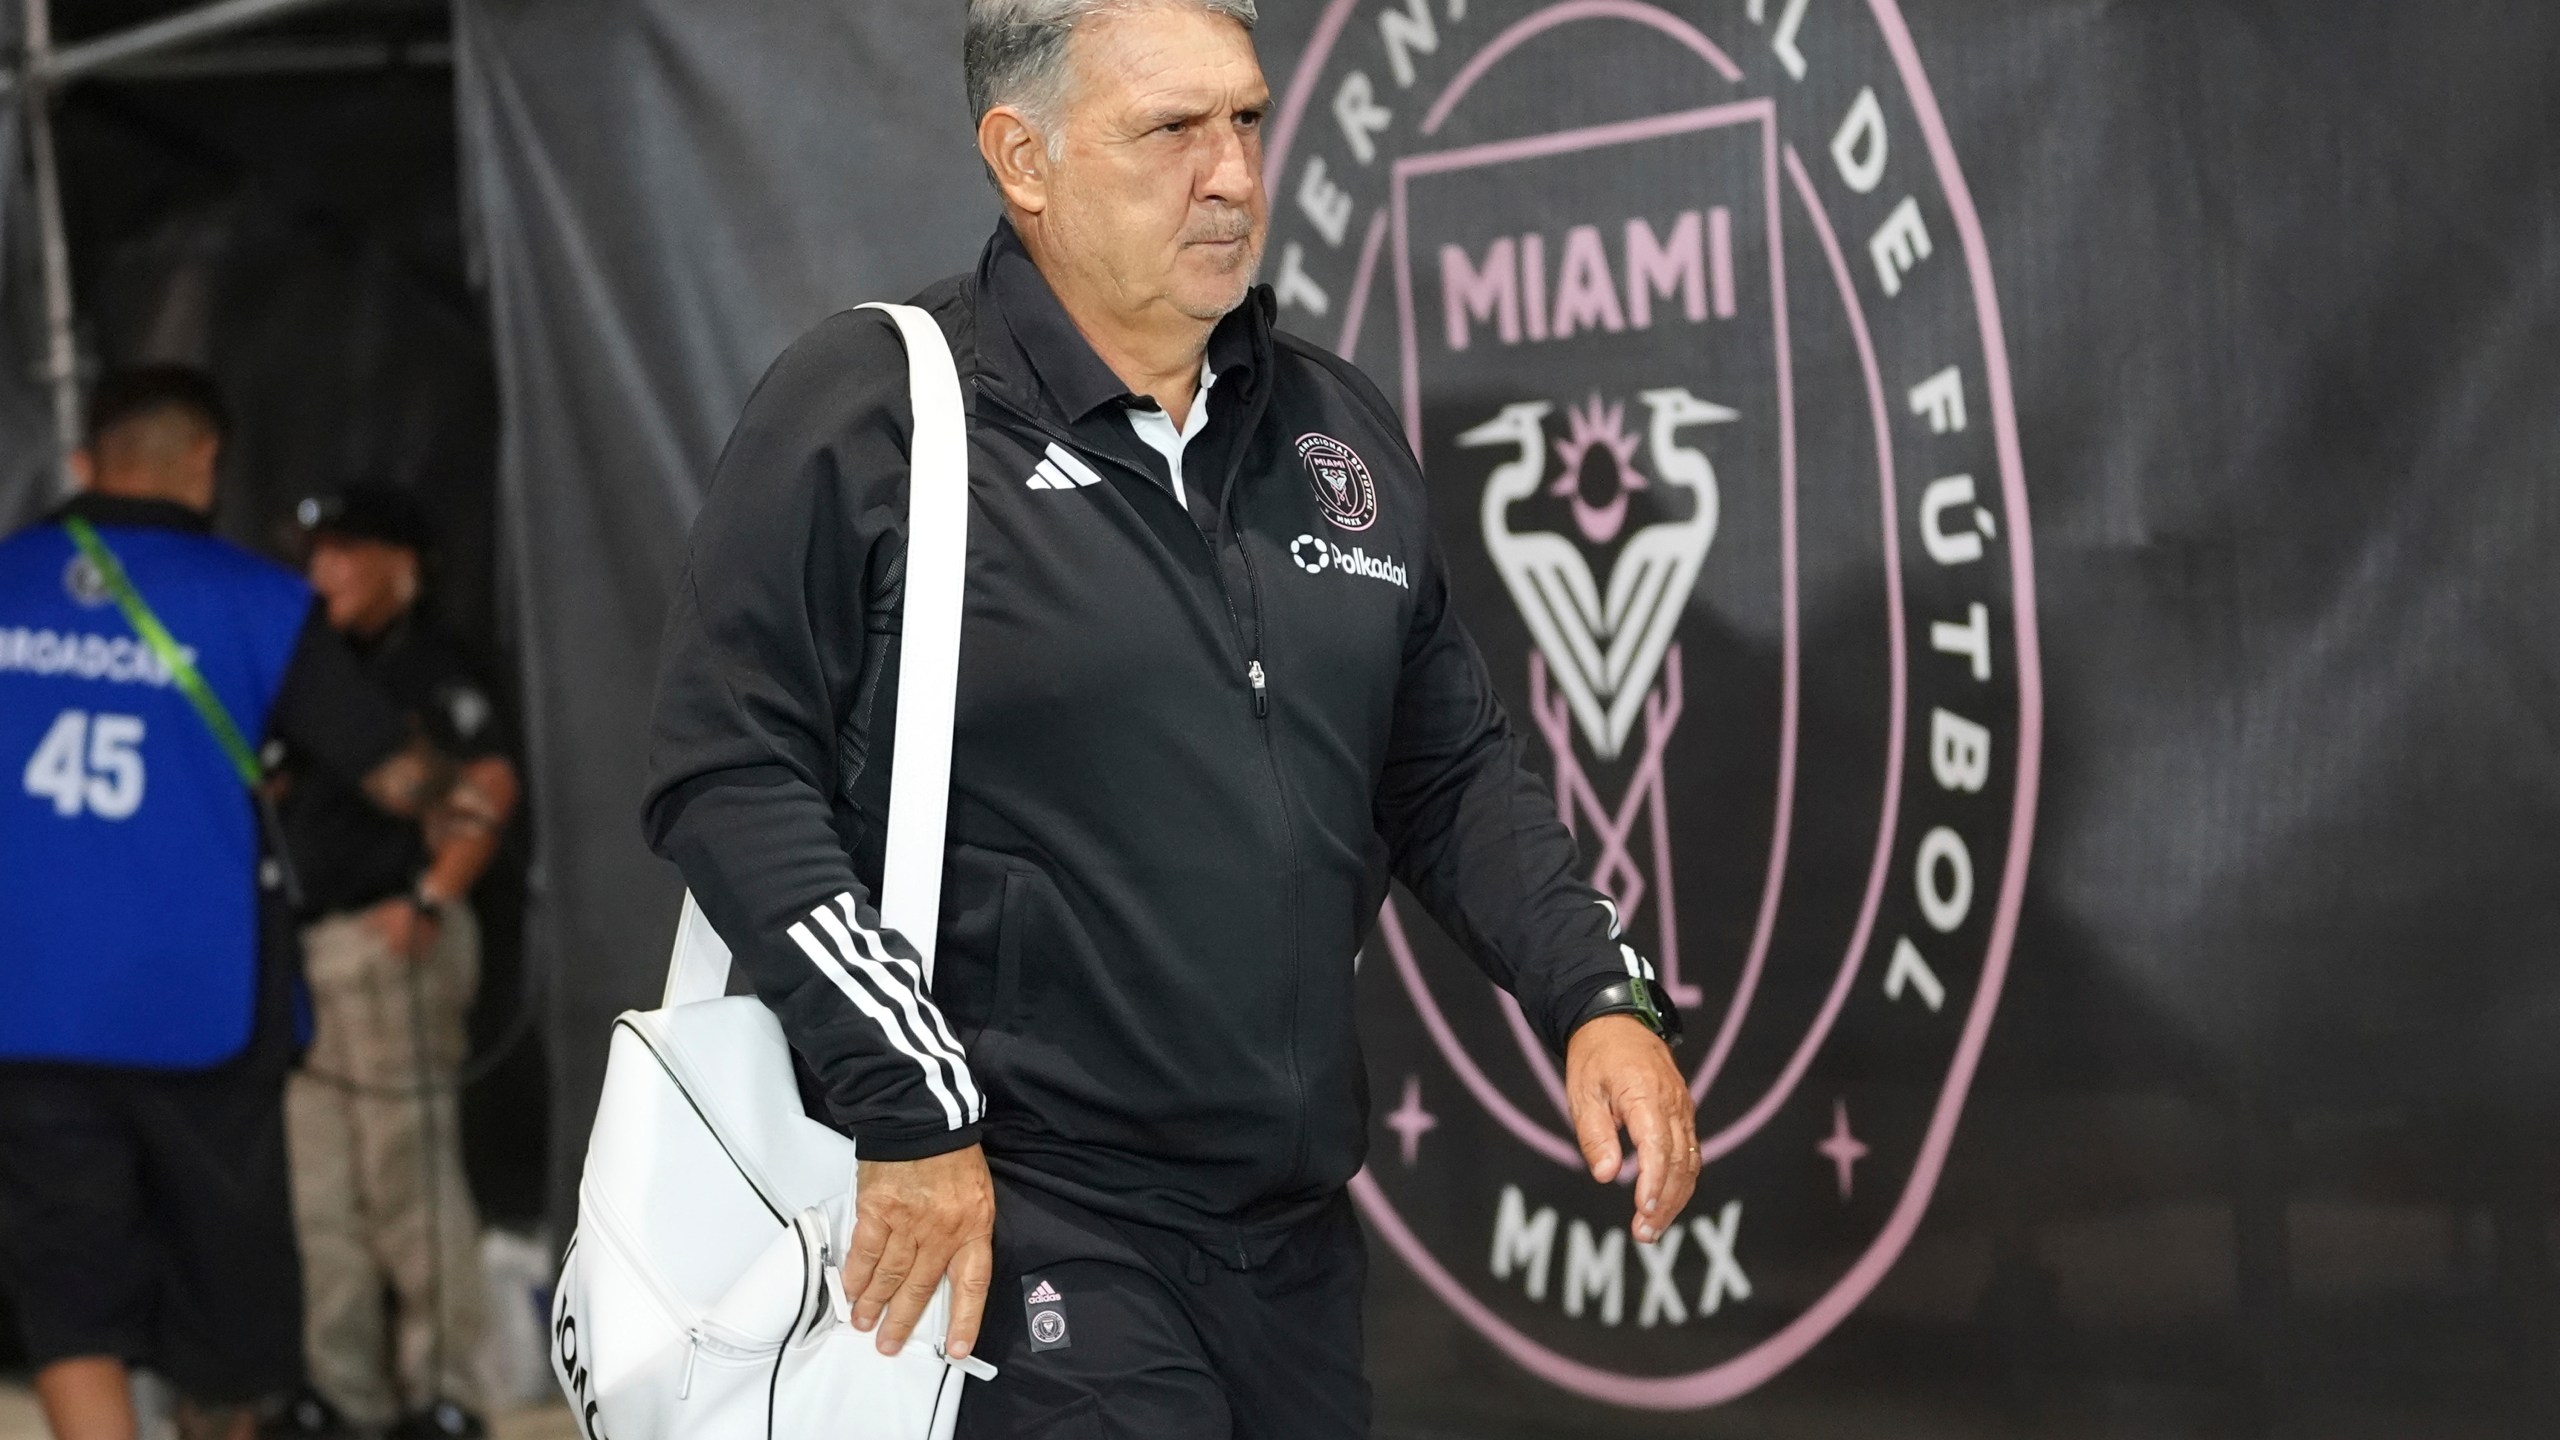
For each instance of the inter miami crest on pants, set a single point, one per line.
(1045, 1313)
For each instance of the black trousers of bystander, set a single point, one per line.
(148, 1218)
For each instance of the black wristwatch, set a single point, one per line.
(425, 903)
(1641, 998)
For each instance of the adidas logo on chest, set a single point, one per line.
(1061, 470)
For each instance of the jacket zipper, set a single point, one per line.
(1271, 757)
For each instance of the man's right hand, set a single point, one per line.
(914, 1222)
(399, 924)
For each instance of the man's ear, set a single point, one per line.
(1017, 157)
(84, 468)
(204, 470)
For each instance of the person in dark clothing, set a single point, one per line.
(1212, 699)
(146, 1010)
(392, 950)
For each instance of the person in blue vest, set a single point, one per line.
(146, 983)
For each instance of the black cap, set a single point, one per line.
(367, 512)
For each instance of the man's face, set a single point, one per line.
(1156, 197)
(366, 584)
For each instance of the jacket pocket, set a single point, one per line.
(1003, 1015)
(969, 972)
(1006, 938)
(1036, 938)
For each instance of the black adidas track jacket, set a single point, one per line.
(1192, 748)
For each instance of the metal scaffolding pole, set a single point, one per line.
(62, 351)
(42, 76)
(108, 51)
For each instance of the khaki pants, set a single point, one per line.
(378, 1187)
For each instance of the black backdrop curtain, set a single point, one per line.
(2262, 1133)
(26, 428)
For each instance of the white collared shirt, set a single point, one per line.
(1156, 428)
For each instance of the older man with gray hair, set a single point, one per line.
(1212, 700)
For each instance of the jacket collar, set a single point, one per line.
(1033, 347)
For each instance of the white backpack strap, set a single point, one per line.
(929, 642)
(699, 970)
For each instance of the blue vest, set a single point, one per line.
(128, 845)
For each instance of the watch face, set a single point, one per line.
(1659, 1012)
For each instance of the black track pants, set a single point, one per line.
(1104, 1330)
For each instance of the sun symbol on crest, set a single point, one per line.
(1601, 426)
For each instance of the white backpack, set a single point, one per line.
(702, 1297)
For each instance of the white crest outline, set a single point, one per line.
(1605, 648)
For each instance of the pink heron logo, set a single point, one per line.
(1688, 307)
(1597, 432)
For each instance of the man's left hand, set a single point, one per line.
(1619, 1074)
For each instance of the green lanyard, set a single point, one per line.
(137, 613)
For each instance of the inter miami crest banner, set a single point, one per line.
(1696, 332)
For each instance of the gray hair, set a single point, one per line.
(1016, 50)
